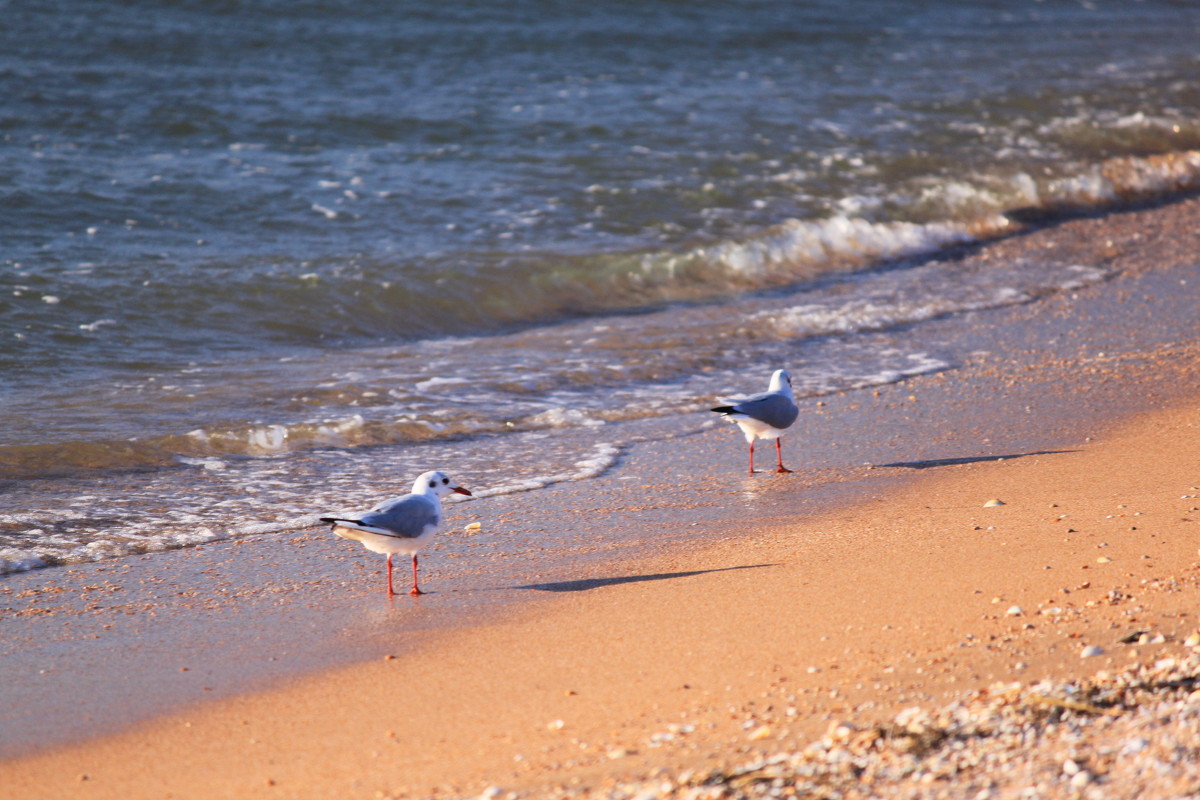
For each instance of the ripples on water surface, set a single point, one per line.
(247, 244)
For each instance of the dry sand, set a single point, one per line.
(707, 657)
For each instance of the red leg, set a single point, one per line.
(415, 590)
(389, 571)
(751, 456)
(779, 457)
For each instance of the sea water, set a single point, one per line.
(263, 261)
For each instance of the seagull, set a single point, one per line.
(401, 525)
(765, 415)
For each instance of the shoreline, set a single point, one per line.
(703, 582)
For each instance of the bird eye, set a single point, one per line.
(445, 480)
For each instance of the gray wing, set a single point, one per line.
(407, 517)
(770, 407)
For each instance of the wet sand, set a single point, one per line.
(731, 617)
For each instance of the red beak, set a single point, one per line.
(460, 490)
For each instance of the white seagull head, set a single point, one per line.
(437, 484)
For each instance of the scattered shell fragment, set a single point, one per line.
(761, 732)
(1103, 560)
(993, 503)
(1015, 611)
(1193, 640)
(473, 526)
(1091, 651)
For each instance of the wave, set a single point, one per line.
(480, 294)
(992, 207)
(345, 300)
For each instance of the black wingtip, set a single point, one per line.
(723, 409)
(336, 520)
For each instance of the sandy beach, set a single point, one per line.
(1029, 517)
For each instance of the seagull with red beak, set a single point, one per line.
(401, 525)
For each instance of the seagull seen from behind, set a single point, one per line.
(766, 415)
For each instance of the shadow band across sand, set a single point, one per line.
(596, 583)
(951, 462)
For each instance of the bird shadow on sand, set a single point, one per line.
(596, 583)
(951, 462)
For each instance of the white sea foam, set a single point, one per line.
(13, 560)
(921, 364)
(438, 382)
(901, 298)
(291, 524)
(1128, 178)
(267, 439)
(782, 249)
(565, 417)
(603, 457)
(341, 431)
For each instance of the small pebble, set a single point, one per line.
(1135, 746)
(1090, 651)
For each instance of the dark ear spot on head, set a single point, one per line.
(433, 484)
